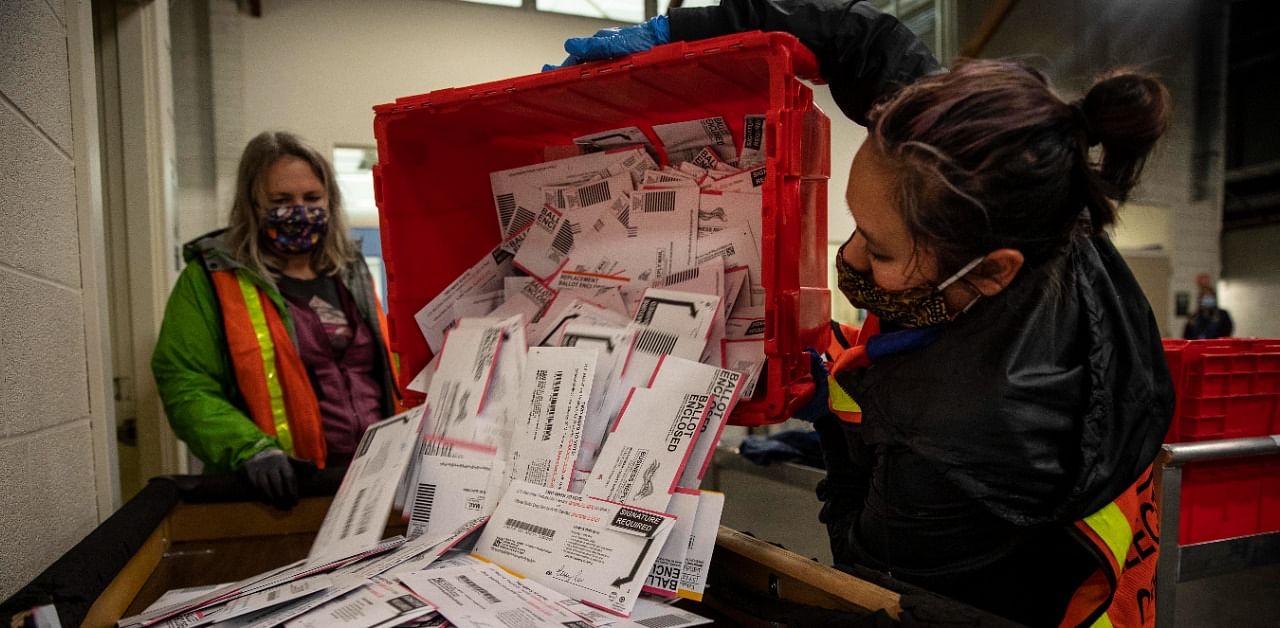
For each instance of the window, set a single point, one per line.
(629, 11)
(353, 169)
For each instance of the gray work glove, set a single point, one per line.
(269, 471)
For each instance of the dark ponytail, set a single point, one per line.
(988, 156)
(1125, 112)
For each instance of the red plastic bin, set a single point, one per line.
(1224, 499)
(436, 150)
(1225, 388)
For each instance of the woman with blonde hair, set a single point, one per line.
(273, 347)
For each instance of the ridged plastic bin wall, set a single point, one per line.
(1226, 388)
(436, 150)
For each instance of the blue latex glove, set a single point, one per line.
(820, 405)
(618, 41)
(270, 472)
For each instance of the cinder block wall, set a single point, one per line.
(48, 498)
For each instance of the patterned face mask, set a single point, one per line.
(292, 229)
(913, 307)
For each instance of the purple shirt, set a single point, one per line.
(337, 348)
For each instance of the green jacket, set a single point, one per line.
(194, 372)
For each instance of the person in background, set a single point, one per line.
(1209, 320)
(273, 349)
(1010, 385)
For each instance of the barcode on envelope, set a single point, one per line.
(680, 277)
(523, 218)
(660, 201)
(484, 593)
(662, 621)
(594, 193)
(424, 501)
(351, 516)
(530, 528)
(506, 207)
(656, 342)
(562, 243)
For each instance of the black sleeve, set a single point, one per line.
(863, 54)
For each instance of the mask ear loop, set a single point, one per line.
(956, 277)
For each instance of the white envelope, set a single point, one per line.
(358, 514)
(650, 612)
(485, 596)
(574, 311)
(697, 563)
(664, 578)
(585, 548)
(449, 492)
(612, 346)
(749, 180)
(554, 395)
(478, 305)
(460, 388)
(625, 136)
(520, 188)
(485, 276)
(649, 446)
(378, 603)
(676, 323)
(683, 140)
(579, 195)
(666, 221)
(746, 356)
(718, 211)
(738, 247)
(546, 249)
(753, 142)
(722, 386)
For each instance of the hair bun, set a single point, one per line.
(1126, 112)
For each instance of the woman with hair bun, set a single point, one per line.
(1010, 382)
(273, 349)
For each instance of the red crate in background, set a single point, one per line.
(1226, 388)
(436, 150)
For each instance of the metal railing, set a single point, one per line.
(1183, 563)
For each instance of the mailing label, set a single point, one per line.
(649, 447)
(585, 548)
(676, 323)
(377, 603)
(553, 404)
(664, 578)
(746, 356)
(722, 386)
(485, 596)
(358, 514)
(460, 388)
(683, 140)
(750, 180)
(702, 542)
(753, 143)
(449, 492)
(485, 276)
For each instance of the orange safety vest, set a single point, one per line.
(847, 348)
(268, 369)
(1124, 536)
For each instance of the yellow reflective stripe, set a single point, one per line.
(259, 320)
(1103, 622)
(1113, 528)
(838, 399)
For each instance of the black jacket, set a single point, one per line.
(1035, 408)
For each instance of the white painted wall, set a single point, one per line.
(1250, 286)
(54, 466)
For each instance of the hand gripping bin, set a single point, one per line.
(436, 150)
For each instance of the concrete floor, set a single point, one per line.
(787, 514)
